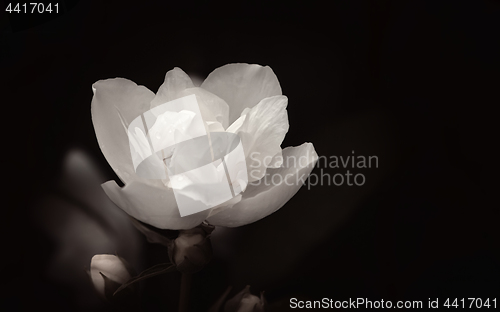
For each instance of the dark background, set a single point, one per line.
(414, 83)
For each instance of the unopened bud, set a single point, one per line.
(108, 273)
(192, 249)
(244, 301)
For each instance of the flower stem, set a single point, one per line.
(184, 293)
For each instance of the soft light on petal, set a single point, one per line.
(242, 85)
(262, 131)
(212, 107)
(278, 186)
(176, 80)
(178, 84)
(115, 104)
(110, 266)
(153, 205)
(214, 126)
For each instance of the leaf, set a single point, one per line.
(155, 270)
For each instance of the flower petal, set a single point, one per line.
(271, 193)
(178, 84)
(242, 85)
(109, 265)
(152, 204)
(212, 107)
(262, 131)
(176, 80)
(115, 104)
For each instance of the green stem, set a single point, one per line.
(184, 293)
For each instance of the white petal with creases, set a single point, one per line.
(242, 85)
(115, 104)
(262, 131)
(178, 84)
(176, 80)
(261, 200)
(153, 205)
(212, 107)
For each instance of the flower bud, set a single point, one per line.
(192, 249)
(108, 273)
(244, 301)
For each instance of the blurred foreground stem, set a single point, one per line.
(184, 293)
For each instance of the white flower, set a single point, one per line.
(239, 98)
(110, 267)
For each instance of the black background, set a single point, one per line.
(414, 83)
